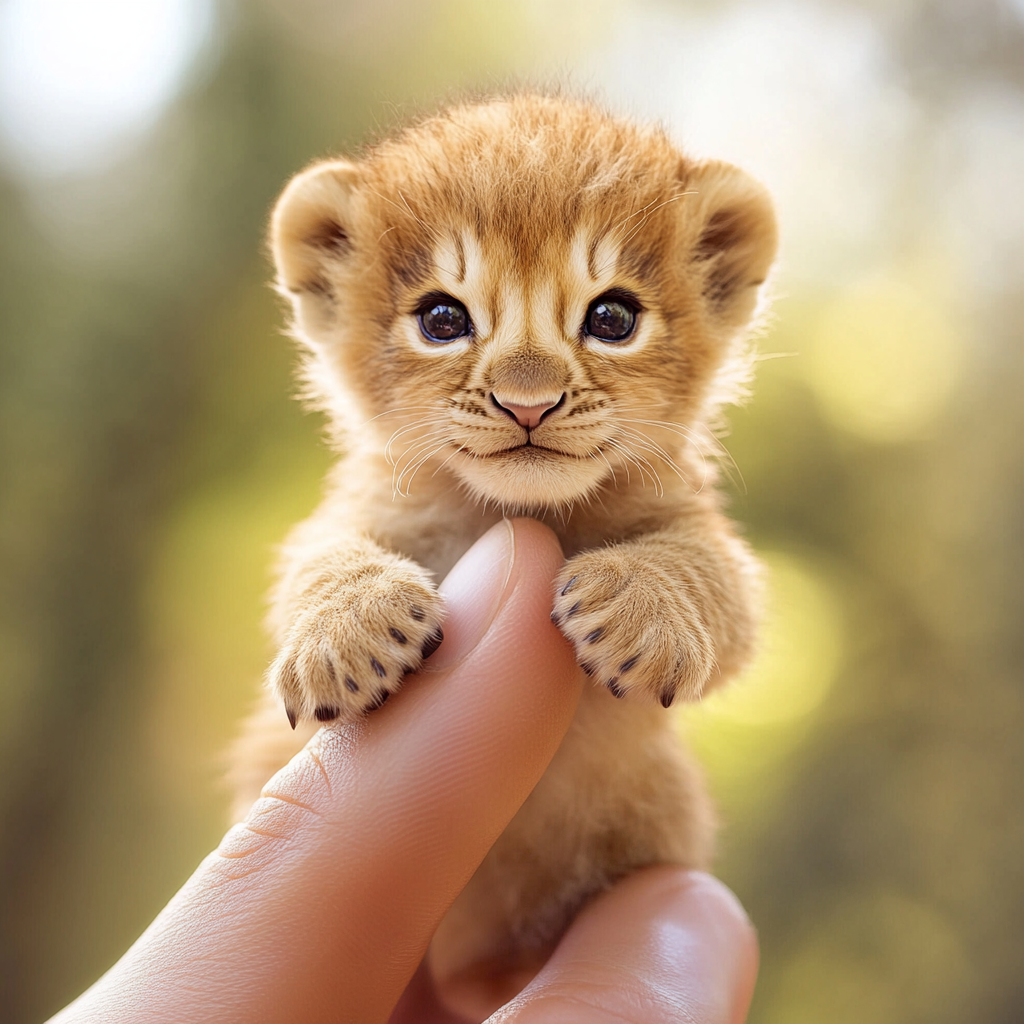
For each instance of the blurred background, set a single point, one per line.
(869, 769)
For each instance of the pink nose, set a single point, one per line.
(528, 416)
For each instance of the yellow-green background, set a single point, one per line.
(869, 769)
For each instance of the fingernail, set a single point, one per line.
(473, 592)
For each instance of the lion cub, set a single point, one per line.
(524, 305)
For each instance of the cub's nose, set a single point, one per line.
(528, 416)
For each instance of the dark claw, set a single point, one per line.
(595, 635)
(351, 684)
(326, 713)
(398, 635)
(569, 585)
(588, 668)
(629, 663)
(556, 618)
(432, 643)
(378, 701)
(613, 685)
(573, 610)
(291, 717)
(417, 613)
(378, 668)
(667, 696)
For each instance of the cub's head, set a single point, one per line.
(528, 291)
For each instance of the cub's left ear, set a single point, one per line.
(311, 232)
(732, 238)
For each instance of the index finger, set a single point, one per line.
(321, 904)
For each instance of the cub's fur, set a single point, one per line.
(519, 230)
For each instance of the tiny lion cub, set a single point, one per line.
(524, 305)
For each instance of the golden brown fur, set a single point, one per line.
(526, 210)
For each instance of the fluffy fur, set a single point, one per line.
(525, 209)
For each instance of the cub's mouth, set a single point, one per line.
(528, 447)
(530, 475)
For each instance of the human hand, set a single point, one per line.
(321, 905)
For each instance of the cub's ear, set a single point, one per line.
(311, 228)
(732, 238)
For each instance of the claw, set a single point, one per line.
(378, 701)
(291, 717)
(432, 643)
(613, 685)
(667, 696)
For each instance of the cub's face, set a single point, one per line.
(532, 294)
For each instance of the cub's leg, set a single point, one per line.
(351, 620)
(664, 615)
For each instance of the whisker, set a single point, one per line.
(644, 467)
(647, 444)
(446, 461)
(645, 214)
(703, 444)
(415, 468)
(410, 453)
(405, 430)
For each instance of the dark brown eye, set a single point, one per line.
(444, 320)
(610, 319)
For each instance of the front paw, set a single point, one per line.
(347, 653)
(634, 627)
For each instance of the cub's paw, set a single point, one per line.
(635, 629)
(347, 653)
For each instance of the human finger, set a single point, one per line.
(664, 946)
(322, 903)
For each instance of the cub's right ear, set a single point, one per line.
(310, 228)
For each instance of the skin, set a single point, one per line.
(321, 905)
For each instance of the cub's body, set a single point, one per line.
(524, 305)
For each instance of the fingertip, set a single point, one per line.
(536, 542)
(672, 942)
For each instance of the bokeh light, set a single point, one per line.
(885, 359)
(76, 78)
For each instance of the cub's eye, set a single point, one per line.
(610, 319)
(443, 319)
